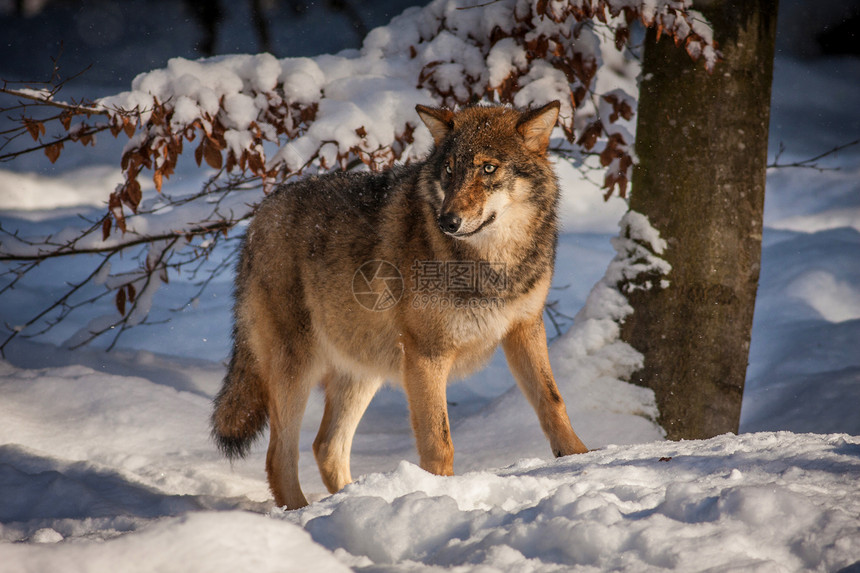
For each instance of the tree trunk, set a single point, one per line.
(702, 146)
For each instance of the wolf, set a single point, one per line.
(352, 279)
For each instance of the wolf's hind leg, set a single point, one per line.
(346, 399)
(528, 359)
(287, 402)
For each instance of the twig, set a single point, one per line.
(553, 313)
(810, 163)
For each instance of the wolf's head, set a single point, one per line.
(489, 171)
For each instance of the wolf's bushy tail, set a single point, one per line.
(240, 407)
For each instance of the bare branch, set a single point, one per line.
(67, 250)
(58, 303)
(811, 162)
(556, 317)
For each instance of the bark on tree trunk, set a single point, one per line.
(702, 145)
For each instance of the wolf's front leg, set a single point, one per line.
(528, 359)
(425, 379)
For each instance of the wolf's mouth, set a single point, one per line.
(486, 222)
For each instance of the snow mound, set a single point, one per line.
(207, 541)
(771, 501)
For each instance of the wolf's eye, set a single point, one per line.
(489, 168)
(448, 169)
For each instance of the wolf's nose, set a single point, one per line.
(449, 222)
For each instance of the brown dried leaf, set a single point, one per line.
(612, 149)
(133, 194)
(198, 153)
(212, 155)
(157, 179)
(106, 228)
(609, 183)
(619, 108)
(145, 159)
(53, 151)
(133, 167)
(120, 301)
(621, 37)
(169, 166)
(115, 208)
(128, 126)
(255, 163)
(174, 148)
(34, 128)
(120, 222)
(114, 201)
(158, 113)
(590, 135)
(408, 135)
(216, 139)
(132, 292)
(308, 113)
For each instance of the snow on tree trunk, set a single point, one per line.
(702, 147)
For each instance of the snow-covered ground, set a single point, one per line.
(106, 462)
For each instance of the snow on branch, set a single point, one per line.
(329, 111)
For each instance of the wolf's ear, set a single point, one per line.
(438, 121)
(536, 126)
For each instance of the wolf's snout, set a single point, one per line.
(450, 222)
